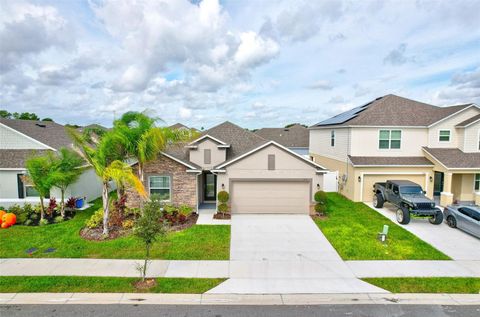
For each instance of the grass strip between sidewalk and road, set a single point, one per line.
(199, 242)
(87, 284)
(454, 285)
(352, 229)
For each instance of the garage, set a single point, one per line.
(270, 197)
(370, 180)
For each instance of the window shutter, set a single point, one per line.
(207, 156)
(21, 193)
(271, 162)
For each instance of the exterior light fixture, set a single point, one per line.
(318, 186)
(431, 179)
(359, 179)
(223, 186)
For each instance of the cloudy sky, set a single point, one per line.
(255, 63)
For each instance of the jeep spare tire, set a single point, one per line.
(437, 218)
(378, 201)
(403, 215)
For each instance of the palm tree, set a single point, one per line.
(39, 169)
(66, 171)
(106, 160)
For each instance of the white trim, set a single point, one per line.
(265, 145)
(478, 144)
(218, 171)
(28, 137)
(207, 136)
(466, 126)
(449, 135)
(170, 194)
(452, 115)
(223, 146)
(191, 146)
(390, 140)
(194, 171)
(21, 169)
(362, 174)
(179, 161)
(392, 165)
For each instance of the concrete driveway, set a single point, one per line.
(455, 243)
(273, 254)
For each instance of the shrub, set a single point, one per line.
(117, 212)
(320, 208)
(52, 206)
(223, 208)
(28, 222)
(128, 224)
(321, 197)
(223, 196)
(71, 203)
(58, 219)
(44, 222)
(185, 210)
(95, 220)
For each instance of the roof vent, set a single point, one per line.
(285, 129)
(41, 125)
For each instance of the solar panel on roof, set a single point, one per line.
(345, 116)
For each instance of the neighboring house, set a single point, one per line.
(295, 137)
(262, 176)
(20, 139)
(179, 126)
(397, 138)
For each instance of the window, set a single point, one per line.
(390, 139)
(207, 156)
(160, 186)
(332, 138)
(477, 182)
(271, 162)
(444, 136)
(30, 191)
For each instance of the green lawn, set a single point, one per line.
(84, 284)
(459, 285)
(195, 243)
(352, 230)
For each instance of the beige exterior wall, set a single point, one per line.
(463, 187)
(217, 155)
(15, 141)
(345, 183)
(320, 143)
(449, 124)
(365, 142)
(255, 166)
(471, 138)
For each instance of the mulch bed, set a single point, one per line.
(191, 220)
(147, 284)
(319, 216)
(222, 216)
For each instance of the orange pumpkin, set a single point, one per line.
(5, 225)
(2, 212)
(9, 219)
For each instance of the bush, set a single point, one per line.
(58, 219)
(223, 208)
(185, 210)
(28, 222)
(71, 203)
(52, 206)
(128, 224)
(321, 197)
(95, 220)
(321, 209)
(223, 196)
(43, 222)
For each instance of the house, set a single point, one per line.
(295, 137)
(19, 139)
(261, 176)
(180, 126)
(395, 137)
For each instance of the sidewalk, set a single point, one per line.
(232, 299)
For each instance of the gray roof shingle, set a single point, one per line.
(468, 121)
(392, 110)
(455, 158)
(295, 136)
(389, 161)
(17, 158)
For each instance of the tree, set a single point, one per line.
(5, 114)
(106, 159)
(26, 116)
(148, 228)
(66, 171)
(39, 169)
(47, 119)
(293, 124)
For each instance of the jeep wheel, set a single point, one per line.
(403, 216)
(437, 218)
(378, 201)
(451, 221)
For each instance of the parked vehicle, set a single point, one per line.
(466, 218)
(410, 199)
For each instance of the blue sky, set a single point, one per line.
(255, 63)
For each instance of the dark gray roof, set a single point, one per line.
(389, 161)
(178, 126)
(469, 121)
(455, 158)
(17, 158)
(294, 136)
(392, 110)
(49, 133)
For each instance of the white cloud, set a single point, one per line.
(185, 113)
(254, 50)
(321, 84)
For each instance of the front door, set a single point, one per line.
(438, 183)
(210, 187)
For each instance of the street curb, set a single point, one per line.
(238, 299)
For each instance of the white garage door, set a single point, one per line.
(270, 197)
(370, 180)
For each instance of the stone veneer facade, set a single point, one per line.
(183, 184)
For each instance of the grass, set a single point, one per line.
(84, 284)
(458, 285)
(199, 242)
(352, 230)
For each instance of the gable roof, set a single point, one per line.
(468, 122)
(15, 159)
(49, 133)
(454, 158)
(294, 136)
(178, 125)
(392, 110)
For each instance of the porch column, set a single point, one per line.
(446, 197)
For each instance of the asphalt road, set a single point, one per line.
(237, 311)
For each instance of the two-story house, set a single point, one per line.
(393, 137)
(261, 175)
